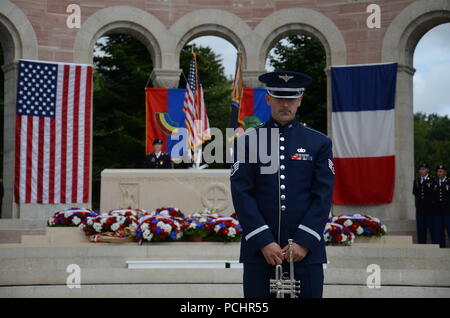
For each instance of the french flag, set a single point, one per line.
(363, 122)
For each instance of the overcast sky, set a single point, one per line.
(431, 61)
(432, 77)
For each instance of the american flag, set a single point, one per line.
(53, 133)
(197, 122)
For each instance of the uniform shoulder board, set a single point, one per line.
(316, 131)
(260, 125)
(248, 130)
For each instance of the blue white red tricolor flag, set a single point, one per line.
(53, 133)
(363, 120)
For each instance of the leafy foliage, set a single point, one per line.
(431, 140)
(305, 54)
(122, 72)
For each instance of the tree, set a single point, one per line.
(122, 72)
(431, 139)
(305, 54)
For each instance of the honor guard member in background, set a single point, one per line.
(293, 202)
(158, 159)
(424, 195)
(442, 204)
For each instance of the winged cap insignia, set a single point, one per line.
(285, 77)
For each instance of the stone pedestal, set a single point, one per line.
(189, 190)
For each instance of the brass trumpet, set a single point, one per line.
(282, 285)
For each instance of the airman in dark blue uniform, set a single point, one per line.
(424, 197)
(286, 198)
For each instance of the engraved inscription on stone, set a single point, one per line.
(129, 195)
(215, 197)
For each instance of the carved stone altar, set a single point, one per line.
(189, 190)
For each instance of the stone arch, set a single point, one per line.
(210, 22)
(288, 21)
(16, 33)
(398, 45)
(120, 19)
(409, 26)
(18, 41)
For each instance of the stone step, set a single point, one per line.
(11, 230)
(57, 236)
(115, 256)
(58, 276)
(398, 240)
(126, 291)
(19, 224)
(357, 291)
(15, 236)
(210, 291)
(207, 250)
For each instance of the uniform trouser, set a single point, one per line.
(438, 230)
(257, 276)
(423, 223)
(446, 226)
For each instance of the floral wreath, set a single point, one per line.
(169, 212)
(200, 225)
(361, 225)
(137, 213)
(154, 228)
(104, 223)
(338, 234)
(70, 217)
(226, 229)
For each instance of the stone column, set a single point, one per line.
(251, 78)
(404, 144)
(165, 78)
(327, 71)
(9, 208)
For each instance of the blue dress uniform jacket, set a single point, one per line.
(294, 202)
